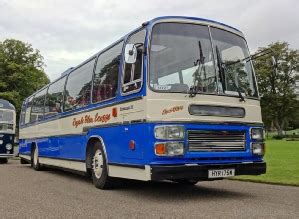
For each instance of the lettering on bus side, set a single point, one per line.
(88, 119)
(172, 110)
(126, 108)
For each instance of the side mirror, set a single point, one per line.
(130, 53)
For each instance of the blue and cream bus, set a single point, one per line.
(176, 99)
(7, 130)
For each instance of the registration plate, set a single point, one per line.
(221, 173)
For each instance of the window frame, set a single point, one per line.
(27, 102)
(93, 58)
(23, 111)
(149, 54)
(45, 88)
(141, 80)
(63, 91)
(254, 80)
(120, 67)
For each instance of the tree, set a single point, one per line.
(21, 71)
(278, 100)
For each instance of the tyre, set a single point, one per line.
(99, 170)
(23, 161)
(3, 160)
(187, 182)
(35, 160)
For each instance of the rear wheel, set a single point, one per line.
(3, 160)
(99, 169)
(35, 160)
(188, 182)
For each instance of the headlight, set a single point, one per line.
(169, 132)
(169, 149)
(258, 148)
(8, 147)
(257, 133)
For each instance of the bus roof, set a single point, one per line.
(4, 104)
(191, 18)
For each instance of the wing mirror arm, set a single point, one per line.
(131, 52)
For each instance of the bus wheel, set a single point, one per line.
(187, 182)
(3, 160)
(34, 159)
(99, 171)
(23, 161)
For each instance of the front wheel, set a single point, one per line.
(99, 170)
(3, 160)
(35, 160)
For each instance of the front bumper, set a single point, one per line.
(6, 155)
(200, 172)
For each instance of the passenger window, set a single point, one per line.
(23, 111)
(37, 112)
(54, 98)
(132, 79)
(106, 74)
(28, 110)
(78, 87)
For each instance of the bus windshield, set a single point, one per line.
(183, 57)
(6, 120)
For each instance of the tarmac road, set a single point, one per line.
(53, 193)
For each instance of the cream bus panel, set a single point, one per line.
(174, 107)
(74, 124)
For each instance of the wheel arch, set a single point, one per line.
(90, 143)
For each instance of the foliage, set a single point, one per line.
(278, 100)
(21, 71)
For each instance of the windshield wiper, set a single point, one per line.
(252, 57)
(222, 69)
(200, 66)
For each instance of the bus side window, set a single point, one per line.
(132, 78)
(23, 112)
(37, 111)
(78, 87)
(54, 98)
(28, 110)
(106, 74)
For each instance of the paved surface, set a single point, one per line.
(54, 193)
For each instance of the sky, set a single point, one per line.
(68, 32)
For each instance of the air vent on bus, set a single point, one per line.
(200, 140)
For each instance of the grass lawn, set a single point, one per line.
(282, 159)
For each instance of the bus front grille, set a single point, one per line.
(201, 141)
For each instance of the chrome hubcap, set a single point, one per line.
(35, 156)
(97, 163)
